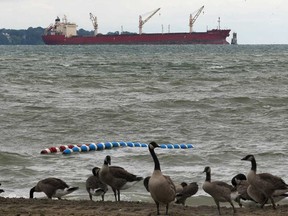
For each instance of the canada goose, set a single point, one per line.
(183, 191)
(161, 187)
(220, 191)
(186, 192)
(249, 192)
(94, 186)
(117, 177)
(52, 187)
(241, 185)
(266, 183)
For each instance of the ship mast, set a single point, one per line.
(142, 22)
(193, 19)
(95, 23)
(64, 19)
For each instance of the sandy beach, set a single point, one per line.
(45, 207)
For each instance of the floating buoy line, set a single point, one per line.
(68, 149)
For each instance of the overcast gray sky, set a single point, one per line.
(255, 21)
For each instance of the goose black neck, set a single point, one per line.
(253, 165)
(208, 176)
(32, 192)
(155, 159)
(94, 172)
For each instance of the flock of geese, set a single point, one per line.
(262, 188)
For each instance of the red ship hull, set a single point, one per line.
(209, 37)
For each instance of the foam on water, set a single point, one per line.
(228, 101)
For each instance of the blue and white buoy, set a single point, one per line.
(110, 145)
(68, 149)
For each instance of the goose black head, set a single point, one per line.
(153, 145)
(248, 158)
(107, 160)
(238, 177)
(184, 184)
(207, 169)
(95, 171)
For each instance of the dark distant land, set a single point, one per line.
(30, 36)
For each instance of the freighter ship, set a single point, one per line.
(65, 33)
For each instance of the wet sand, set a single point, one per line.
(45, 207)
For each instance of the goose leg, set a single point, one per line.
(157, 206)
(49, 194)
(238, 200)
(114, 190)
(265, 201)
(118, 191)
(234, 210)
(273, 203)
(167, 207)
(218, 206)
(102, 197)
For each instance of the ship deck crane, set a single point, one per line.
(95, 23)
(193, 19)
(142, 22)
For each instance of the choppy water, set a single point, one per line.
(229, 101)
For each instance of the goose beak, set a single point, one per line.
(248, 158)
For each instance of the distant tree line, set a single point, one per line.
(32, 36)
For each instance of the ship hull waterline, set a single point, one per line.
(209, 37)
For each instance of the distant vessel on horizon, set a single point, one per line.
(65, 33)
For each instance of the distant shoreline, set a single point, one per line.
(22, 206)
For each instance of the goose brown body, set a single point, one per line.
(94, 186)
(266, 183)
(52, 187)
(187, 191)
(220, 191)
(117, 177)
(161, 187)
(241, 186)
